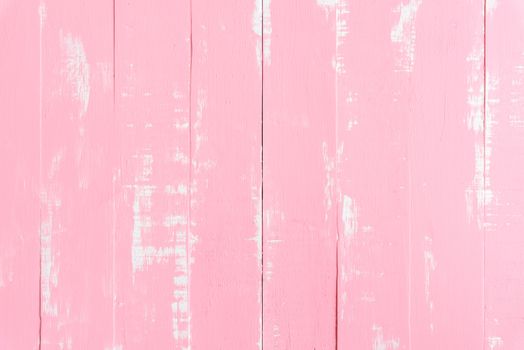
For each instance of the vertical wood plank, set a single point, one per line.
(226, 116)
(19, 178)
(153, 246)
(504, 191)
(374, 97)
(411, 243)
(446, 177)
(77, 162)
(299, 227)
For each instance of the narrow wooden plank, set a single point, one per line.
(77, 161)
(153, 253)
(446, 169)
(374, 97)
(226, 117)
(299, 227)
(411, 243)
(504, 190)
(19, 178)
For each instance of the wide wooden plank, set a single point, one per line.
(299, 206)
(153, 245)
(20, 32)
(411, 211)
(77, 161)
(504, 174)
(226, 119)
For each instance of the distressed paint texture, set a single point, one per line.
(154, 239)
(299, 207)
(226, 119)
(76, 189)
(277, 174)
(19, 175)
(504, 150)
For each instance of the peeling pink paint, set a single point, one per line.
(267, 174)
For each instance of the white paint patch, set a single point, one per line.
(329, 184)
(261, 26)
(429, 267)
(404, 33)
(379, 343)
(495, 343)
(349, 216)
(330, 4)
(75, 69)
(480, 121)
(491, 5)
(51, 204)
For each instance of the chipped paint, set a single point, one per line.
(349, 216)
(76, 69)
(495, 343)
(404, 34)
(379, 343)
(261, 26)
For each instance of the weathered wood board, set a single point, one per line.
(265, 174)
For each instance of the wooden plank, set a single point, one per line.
(299, 206)
(76, 181)
(373, 118)
(447, 200)
(226, 117)
(504, 191)
(19, 178)
(411, 243)
(153, 253)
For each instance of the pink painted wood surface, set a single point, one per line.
(320, 174)
(153, 245)
(504, 189)
(76, 190)
(19, 175)
(299, 227)
(226, 122)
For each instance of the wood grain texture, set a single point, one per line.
(77, 160)
(19, 175)
(226, 121)
(153, 245)
(299, 227)
(504, 191)
(269, 174)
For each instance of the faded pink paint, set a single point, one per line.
(132, 209)
(504, 171)
(77, 158)
(153, 255)
(226, 119)
(19, 175)
(299, 227)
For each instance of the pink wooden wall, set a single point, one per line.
(264, 174)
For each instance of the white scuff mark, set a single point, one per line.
(75, 69)
(430, 265)
(404, 34)
(42, 14)
(51, 204)
(175, 220)
(480, 122)
(261, 26)
(379, 343)
(327, 3)
(495, 343)
(180, 189)
(329, 184)
(491, 5)
(349, 216)
(256, 198)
